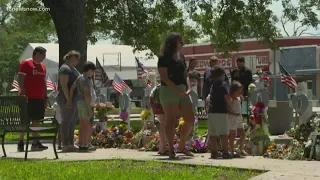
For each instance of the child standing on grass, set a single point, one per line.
(218, 102)
(84, 104)
(235, 119)
(58, 117)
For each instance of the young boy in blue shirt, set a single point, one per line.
(218, 108)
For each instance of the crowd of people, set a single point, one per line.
(74, 102)
(76, 98)
(223, 100)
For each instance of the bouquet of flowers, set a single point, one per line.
(293, 151)
(145, 114)
(124, 115)
(112, 137)
(301, 133)
(199, 147)
(178, 128)
(258, 130)
(153, 145)
(101, 111)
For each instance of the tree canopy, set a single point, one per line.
(17, 29)
(144, 24)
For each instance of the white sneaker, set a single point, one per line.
(76, 143)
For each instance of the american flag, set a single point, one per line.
(100, 74)
(140, 69)
(15, 84)
(118, 84)
(148, 83)
(286, 78)
(51, 84)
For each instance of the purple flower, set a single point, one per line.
(175, 146)
(195, 119)
(197, 144)
(114, 134)
(124, 115)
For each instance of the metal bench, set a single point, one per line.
(14, 118)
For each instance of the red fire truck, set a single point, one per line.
(249, 48)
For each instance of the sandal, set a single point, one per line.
(185, 152)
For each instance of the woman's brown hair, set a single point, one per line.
(71, 54)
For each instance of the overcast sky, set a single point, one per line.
(277, 9)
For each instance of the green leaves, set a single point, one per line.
(226, 21)
(303, 15)
(17, 30)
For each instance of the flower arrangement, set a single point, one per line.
(301, 133)
(145, 114)
(293, 151)
(301, 145)
(179, 127)
(199, 147)
(258, 132)
(114, 137)
(153, 145)
(124, 115)
(251, 88)
(101, 111)
(76, 134)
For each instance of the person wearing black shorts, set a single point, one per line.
(32, 85)
(36, 109)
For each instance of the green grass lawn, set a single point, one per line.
(135, 125)
(116, 170)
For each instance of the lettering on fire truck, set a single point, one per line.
(261, 61)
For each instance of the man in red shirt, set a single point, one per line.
(32, 84)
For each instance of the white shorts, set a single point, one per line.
(235, 122)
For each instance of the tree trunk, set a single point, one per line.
(68, 18)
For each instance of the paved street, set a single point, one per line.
(278, 169)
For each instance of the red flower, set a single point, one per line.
(266, 78)
(259, 105)
(106, 119)
(258, 121)
(252, 117)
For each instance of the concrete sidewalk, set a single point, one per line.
(277, 169)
